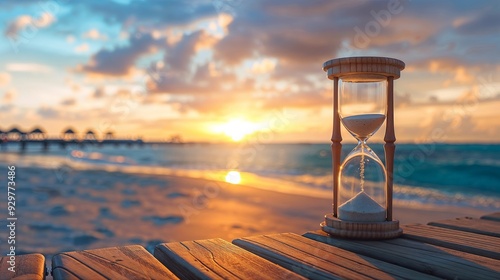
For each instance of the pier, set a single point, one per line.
(461, 248)
(62, 143)
(68, 137)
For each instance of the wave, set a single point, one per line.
(293, 181)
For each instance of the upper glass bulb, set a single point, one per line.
(362, 104)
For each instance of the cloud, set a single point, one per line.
(28, 67)
(68, 102)
(203, 81)
(7, 108)
(99, 92)
(70, 39)
(263, 66)
(217, 104)
(402, 100)
(21, 22)
(215, 58)
(82, 48)
(48, 112)
(305, 100)
(94, 34)
(293, 33)
(278, 39)
(463, 76)
(235, 47)
(4, 79)
(120, 60)
(176, 74)
(9, 96)
(484, 23)
(178, 57)
(74, 86)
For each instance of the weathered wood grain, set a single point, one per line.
(425, 258)
(478, 244)
(315, 260)
(479, 226)
(217, 259)
(128, 262)
(493, 217)
(27, 267)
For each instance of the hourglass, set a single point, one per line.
(362, 188)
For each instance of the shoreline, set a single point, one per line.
(95, 209)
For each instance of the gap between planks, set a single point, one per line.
(478, 226)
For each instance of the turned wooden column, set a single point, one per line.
(389, 147)
(336, 145)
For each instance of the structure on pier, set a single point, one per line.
(109, 135)
(69, 134)
(90, 135)
(37, 134)
(15, 134)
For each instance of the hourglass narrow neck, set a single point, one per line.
(362, 142)
(362, 146)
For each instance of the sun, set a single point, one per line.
(233, 177)
(237, 129)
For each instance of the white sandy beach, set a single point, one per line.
(92, 209)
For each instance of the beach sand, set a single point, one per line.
(90, 209)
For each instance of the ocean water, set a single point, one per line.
(444, 174)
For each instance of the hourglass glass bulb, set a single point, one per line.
(362, 182)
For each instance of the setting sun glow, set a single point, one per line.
(237, 129)
(233, 177)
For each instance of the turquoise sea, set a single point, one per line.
(448, 174)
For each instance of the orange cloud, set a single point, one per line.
(94, 34)
(21, 22)
(4, 79)
(28, 67)
(82, 48)
(463, 76)
(9, 95)
(263, 66)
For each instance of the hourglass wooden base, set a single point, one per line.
(361, 230)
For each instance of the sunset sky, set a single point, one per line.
(230, 70)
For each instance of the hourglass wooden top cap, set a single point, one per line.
(363, 68)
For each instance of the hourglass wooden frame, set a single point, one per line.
(363, 67)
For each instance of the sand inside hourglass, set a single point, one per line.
(361, 208)
(362, 126)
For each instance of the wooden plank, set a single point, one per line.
(30, 266)
(217, 259)
(425, 258)
(128, 262)
(479, 226)
(478, 244)
(314, 259)
(492, 217)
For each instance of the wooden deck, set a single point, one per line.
(462, 248)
